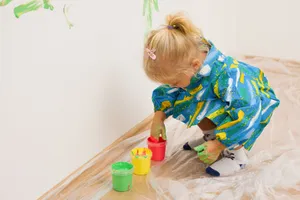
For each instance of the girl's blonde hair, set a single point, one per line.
(169, 49)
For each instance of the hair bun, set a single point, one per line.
(181, 22)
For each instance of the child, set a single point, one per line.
(231, 101)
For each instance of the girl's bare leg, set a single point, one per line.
(206, 125)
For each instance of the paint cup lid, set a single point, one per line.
(122, 168)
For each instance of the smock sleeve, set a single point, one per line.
(164, 98)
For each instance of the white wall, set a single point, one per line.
(269, 28)
(1, 46)
(66, 94)
(212, 17)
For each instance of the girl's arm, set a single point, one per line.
(163, 99)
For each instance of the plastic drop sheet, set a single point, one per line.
(273, 171)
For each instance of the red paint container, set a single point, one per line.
(158, 148)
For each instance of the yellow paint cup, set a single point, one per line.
(141, 160)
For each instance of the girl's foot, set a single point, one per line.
(232, 162)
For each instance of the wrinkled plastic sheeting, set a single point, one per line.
(274, 161)
(272, 172)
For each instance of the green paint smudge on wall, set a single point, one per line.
(32, 6)
(47, 5)
(5, 2)
(149, 5)
(66, 11)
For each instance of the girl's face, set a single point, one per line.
(182, 81)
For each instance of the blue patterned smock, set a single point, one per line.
(234, 95)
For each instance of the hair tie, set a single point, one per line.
(174, 26)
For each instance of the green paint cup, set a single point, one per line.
(122, 176)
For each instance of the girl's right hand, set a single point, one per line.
(158, 126)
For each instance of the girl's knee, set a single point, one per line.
(206, 125)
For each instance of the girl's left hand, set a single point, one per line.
(209, 151)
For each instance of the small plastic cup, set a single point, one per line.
(122, 176)
(158, 148)
(141, 160)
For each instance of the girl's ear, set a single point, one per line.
(196, 64)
